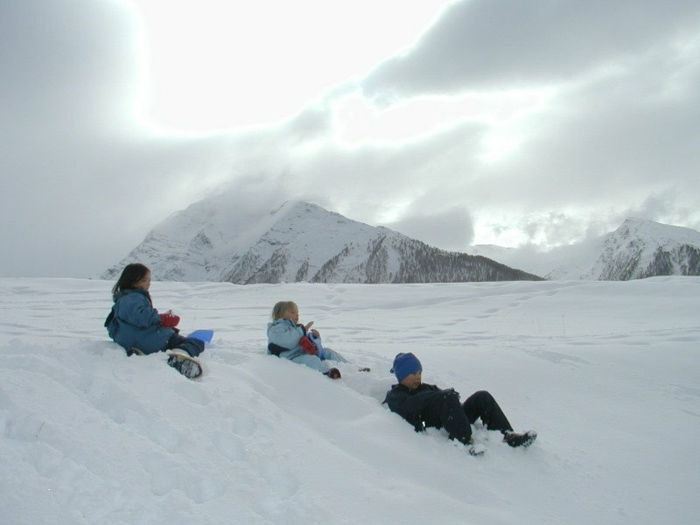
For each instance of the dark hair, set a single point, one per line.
(131, 274)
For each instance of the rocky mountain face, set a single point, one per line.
(639, 249)
(635, 250)
(297, 242)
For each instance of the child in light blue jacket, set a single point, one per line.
(300, 343)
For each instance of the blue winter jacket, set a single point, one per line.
(135, 323)
(284, 332)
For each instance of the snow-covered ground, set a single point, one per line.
(606, 372)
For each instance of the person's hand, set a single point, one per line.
(169, 319)
(307, 326)
(315, 332)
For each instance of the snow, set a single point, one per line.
(606, 372)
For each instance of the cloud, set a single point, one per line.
(506, 121)
(68, 67)
(626, 133)
(68, 88)
(482, 44)
(374, 183)
(619, 125)
(83, 180)
(450, 229)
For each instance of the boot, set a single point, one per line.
(184, 364)
(333, 373)
(514, 439)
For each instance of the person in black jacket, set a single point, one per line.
(425, 405)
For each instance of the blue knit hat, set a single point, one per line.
(405, 365)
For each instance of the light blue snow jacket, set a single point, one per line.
(135, 323)
(285, 333)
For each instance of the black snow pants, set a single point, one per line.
(446, 411)
(192, 346)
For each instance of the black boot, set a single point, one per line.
(514, 439)
(333, 373)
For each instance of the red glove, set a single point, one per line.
(169, 319)
(307, 345)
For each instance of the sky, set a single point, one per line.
(461, 122)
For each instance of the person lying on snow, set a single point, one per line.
(425, 405)
(298, 342)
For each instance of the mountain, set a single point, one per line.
(640, 248)
(210, 241)
(635, 250)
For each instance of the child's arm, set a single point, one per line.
(307, 327)
(137, 311)
(316, 340)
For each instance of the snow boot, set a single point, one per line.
(186, 365)
(333, 373)
(515, 439)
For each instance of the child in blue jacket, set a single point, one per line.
(134, 324)
(300, 343)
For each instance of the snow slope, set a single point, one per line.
(607, 372)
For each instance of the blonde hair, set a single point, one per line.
(281, 308)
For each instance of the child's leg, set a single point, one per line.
(192, 346)
(482, 405)
(311, 361)
(332, 355)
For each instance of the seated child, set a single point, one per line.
(299, 343)
(134, 324)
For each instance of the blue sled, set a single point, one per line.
(203, 335)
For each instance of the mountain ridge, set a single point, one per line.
(641, 248)
(215, 240)
(298, 241)
(638, 248)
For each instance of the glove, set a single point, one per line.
(316, 340)
(307, 345)
(169, 319)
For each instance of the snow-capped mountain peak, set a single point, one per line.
(638, 248)
(642, 248)
(297, 241)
